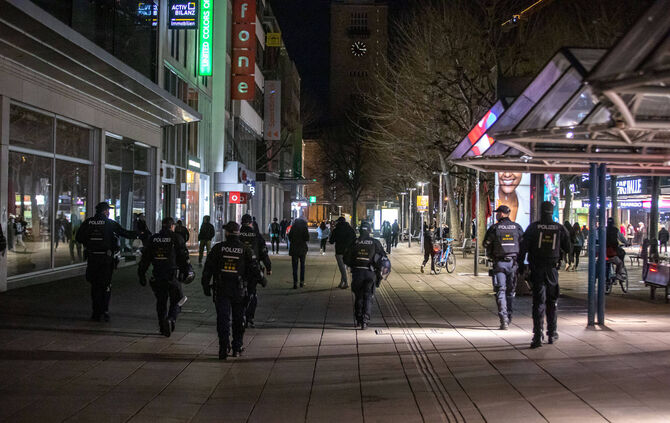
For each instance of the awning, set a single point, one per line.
(35, 39)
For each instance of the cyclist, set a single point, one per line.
(613, 242)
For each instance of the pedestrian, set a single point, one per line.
(59, 226)
(365, 259)
(20, 227)
(74, 245)
(395, 233)
(231, 266)
(630, 234)
(615, 254)
(282, 229)
(205, 236)
(577, 244)
(11, 232)
(254, 241)
(387, 234)
(644, 255)
(99, 236)
(543, 241)
(298, 237)
(182, 230)
(568, 256)
(642, 232)
(3, 242)
(323, 232)
(167, 252)
(428, 252)
(501, 244)
(274, 229)
(254, 224)
(343, 236)
(663, 237)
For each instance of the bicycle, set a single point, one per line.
(612, 278)
(444, 257)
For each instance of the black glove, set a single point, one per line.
(207, 290)
(143, 279)
(264, 281)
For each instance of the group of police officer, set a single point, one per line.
(541, 245)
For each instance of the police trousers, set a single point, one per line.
(99, 270)
(225, 307)
(165, 290)
(544, 283)
(504, 287)
(363, 287)
(251, 301)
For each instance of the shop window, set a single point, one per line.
(30, 129)
(141, 158)
(73, 140)
(30, 213)
(72, 196)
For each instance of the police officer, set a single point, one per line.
(167, 252)
(99, 235)
(544, 241)
(364, 258)
(231, 265)
(255, 241)
(501, 244)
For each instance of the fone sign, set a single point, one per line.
(244, 50)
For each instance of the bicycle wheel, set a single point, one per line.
(451, 262)
(438, 264)
(608, 287)
(624, 282)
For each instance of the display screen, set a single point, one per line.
(552, 192)
(183, 14)
(513, 190)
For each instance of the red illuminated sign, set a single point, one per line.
(244, 50)
(238, 197)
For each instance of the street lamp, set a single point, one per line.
(409, 229)
(339, 208)
(402, 211)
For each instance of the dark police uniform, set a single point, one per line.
(544, 241)
(167, 252)
(231, 265)
(254, 241)
(364, 258)
(99, 235)
(501, 244)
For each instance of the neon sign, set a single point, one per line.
(205, 38)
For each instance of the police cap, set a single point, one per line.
(365, 226)
(547, 207)
(502, 209)
(232, 227)
(246, 219)
(167, 222)
(101, 207)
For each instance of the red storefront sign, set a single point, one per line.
(237, 197)
(244, 50)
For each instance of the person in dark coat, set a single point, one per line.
(663, 237)
(298, 238)
(99, 236)
(182, 230)
(428, 252)
(205, 236)
(256, 243)
(395, 233)
(343, 237)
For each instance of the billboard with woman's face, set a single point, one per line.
(513, 190)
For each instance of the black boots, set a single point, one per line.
(537, 341)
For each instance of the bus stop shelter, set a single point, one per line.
(590, 111)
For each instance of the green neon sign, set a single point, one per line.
(205, 38)
(312, 199)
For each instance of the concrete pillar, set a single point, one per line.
(654, 216)
(593, 191)
(602, 245)
(4, 181)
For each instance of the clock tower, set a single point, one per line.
(358, 45)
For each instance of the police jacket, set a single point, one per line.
(543, 241)
(167, 252)
(183, 232)
(366, 253)
(230, 265)
(100, 235)
(342, 236)
(256, 243)
(502, 239)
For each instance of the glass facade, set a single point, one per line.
(48, 189)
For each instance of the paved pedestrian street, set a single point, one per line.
(433, 353)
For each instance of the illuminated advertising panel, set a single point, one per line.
(205, 38)
(244, 50)
(182, 14)
(552, 192)
(513, 190)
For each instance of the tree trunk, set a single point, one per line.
(354, 216)
(481, 217)
(615, 200)
(467, 208)
(454, 221)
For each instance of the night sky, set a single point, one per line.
(305, 26)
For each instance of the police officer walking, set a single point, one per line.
(364, 258)
(544, 241)
(99, 235)
(255, 241)
(231, 265)
(501, 244)
(167, 252)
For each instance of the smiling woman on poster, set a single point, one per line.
(513, 190)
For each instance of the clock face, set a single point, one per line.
(359, 48)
